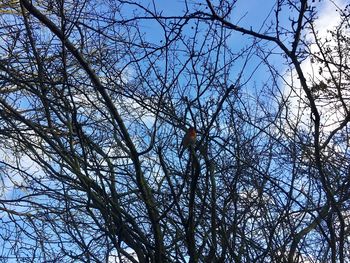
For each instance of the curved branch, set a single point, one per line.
(142, 184)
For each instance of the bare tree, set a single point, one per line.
(96, 96)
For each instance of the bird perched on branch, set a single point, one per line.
(189, 140)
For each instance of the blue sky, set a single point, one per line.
(253, 14)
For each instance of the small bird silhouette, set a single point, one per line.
(188, 140)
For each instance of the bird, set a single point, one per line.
(188, 140)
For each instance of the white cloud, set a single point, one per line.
(330, 107)
(114, 258)
(13, 178)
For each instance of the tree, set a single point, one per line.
(96, 96)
